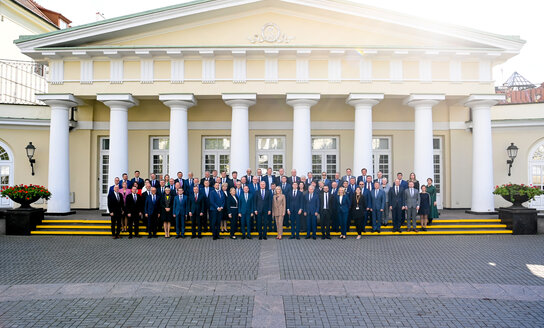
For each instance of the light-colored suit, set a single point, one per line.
(411, 201)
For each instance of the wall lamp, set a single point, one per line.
(512, 151)
(30, 149)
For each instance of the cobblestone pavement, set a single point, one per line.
(423, 281)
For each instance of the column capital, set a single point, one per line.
(178, 100)
(66, 100)
(117, 100)
(416, 100)
(370, 99)
(308, 99)
(482, 100)
(237, 99)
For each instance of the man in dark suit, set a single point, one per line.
(137, 180)
(225, 179)
(293, 178)
(348, 175)
(334, 214)
(378, 207)
(254, 185)
(249, 176)
(196, 210)
(245, 213)
(310, 179)
(262, 207)
(179, 178)
(125, 179)
(281, 174)
(180, 212)
(115, 183)
(403, 183)
(311, 210)
(233, 180)
(116, 209)
(326, 208)
(379, 177)
(208, 178)
(396, 204)
(269, 178)
(134, 212)
(325, 180)
(206, 191)
(351, 187)
(363, 176)
(294, 202)
(217, 204)
(152, 208)
(285, 187)
(153, 180)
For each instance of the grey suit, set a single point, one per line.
(411, 201)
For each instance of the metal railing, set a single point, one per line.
(20, 81)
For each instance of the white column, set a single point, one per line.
(118, 153)
(362, 129)
(59, 150)
(239, 129)
(482, 151)
(423, 133)
(179, 140)
(302, 130)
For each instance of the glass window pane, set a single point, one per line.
(155, 143)
(321, 143)
(539, 154)
(436, 143)
(105, 145)
(380, 143)
(210, 143)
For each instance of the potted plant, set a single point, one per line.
(517, 194)
(22, 220)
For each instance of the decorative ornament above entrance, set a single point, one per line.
(270, 33)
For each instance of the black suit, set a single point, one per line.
(325, 212)
(196, 208)
(133, 208)
(210, 179)
(396, 201)
(262, 205)
(116, 208)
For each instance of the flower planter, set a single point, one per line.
(21, 221)
(518, 200)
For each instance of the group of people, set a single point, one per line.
(266, 202)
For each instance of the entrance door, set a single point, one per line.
(536, 174)
(103, 172)
(6, 173)
(437, 167)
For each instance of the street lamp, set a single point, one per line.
(30, 149)
(512, 151)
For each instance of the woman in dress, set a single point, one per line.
(431, 190)
(414, 180)
(278, 210)
(302, 218)
(124, 191)
(167, 203)
(357, 211)
(342, 205)
(424, 207)
(232, 209)
(225, 216)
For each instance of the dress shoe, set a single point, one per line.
(178, 237)
(298, 238)
(265, 238)
(314, 238)
(378, 231)
(323, 237)
(307, 237)
(328, 237)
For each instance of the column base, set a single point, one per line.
(481, 213)
(521, 220)
(60, 214)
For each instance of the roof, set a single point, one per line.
(336, 5)
(41, 11)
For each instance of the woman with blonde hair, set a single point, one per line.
(278, 210)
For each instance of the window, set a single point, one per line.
(6, 173)
(215, 154)
(270, 153)
(103, 171)
(536, 174)
(381, 150)
(159, 156)
(324, 156)
(437, 168)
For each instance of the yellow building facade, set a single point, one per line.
(316, 86)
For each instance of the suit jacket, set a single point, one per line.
(285, 189)
(279, 205)
(216, 200)
(181, 207)
(346, 178)
(327, 182)
(404, 184)
(233, 204)
(294, 204)
(253, 188)
(361, 178)
(371, 186)
(396, 199)
(245, 207)
(167, 204)
(311, 206)
(133, 207)
(361, 204)
(343, 206)
(197, 206)
(129, 184)
(331, 200)
(291, 180)
(189, 185)
(140, 182)
(309, 182)
(154, 183)
(268, 180)
(232, 183)
(351, 189)
(212, 181)
(411, 201)
(260, 204)
(115, 206)
(378, 199)
(152, 207)
(368, 198)
(206, 197)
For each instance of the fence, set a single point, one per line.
(20, 81)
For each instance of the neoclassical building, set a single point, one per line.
(313, 85)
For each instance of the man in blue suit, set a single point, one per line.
(396, 204)
(362, 177)
(311, 210)
(294, 202)
(197, 209)
(262, 208)
(378, 207)
(403, 183)
(125, 179)
(137, 180)
(217, 203)
(152, 213)
(181, 207)
(269, 178)
(115, 183)
(246, 212)
(285, 186)
(254, 185)
(326, 182)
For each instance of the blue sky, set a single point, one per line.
(521, 17)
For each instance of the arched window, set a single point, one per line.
(536, 172)
(6, 172)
